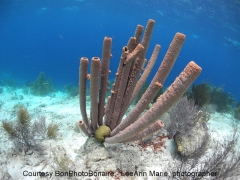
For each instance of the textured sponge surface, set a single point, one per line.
(102, 132)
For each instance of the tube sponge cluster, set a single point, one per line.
(132, 73)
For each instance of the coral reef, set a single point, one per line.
(194, 143)
(10, 83)
(205, 93)
(97, 157)
(71, 90)
(223, 100)
(102, 132)
(138, 123)
(200, 93)
(157, 144)
(188, 127)
(221, 163)
(183, 116)
(41, 86)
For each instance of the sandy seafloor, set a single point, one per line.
(63, 110)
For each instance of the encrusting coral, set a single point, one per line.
(102, 132)
(138, 123)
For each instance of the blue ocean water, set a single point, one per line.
(51, 36)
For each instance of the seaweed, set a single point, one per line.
(11, 83)
(222, 163)
(24, 117)
(52, 130)
(71, 90)
(9, 128)
(223, 100)
(41, 86)
(17, 107)
(39, 127)
(206, 93)
(183, 117)
(22, 133)
(200, 93)
(187, 126)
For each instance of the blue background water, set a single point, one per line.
(51, 36)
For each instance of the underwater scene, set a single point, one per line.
(140, 89)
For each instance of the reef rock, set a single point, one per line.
(193, 143)
(114, 158)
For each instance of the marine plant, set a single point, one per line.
(52, 130)
(11, 83)
(39, 127)
(41, 86)
(127, 85)
(186, 125)
(200, 93)
(221, 163)
(223, 100)
(23, 134)
(17, 107)
(71, 89)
